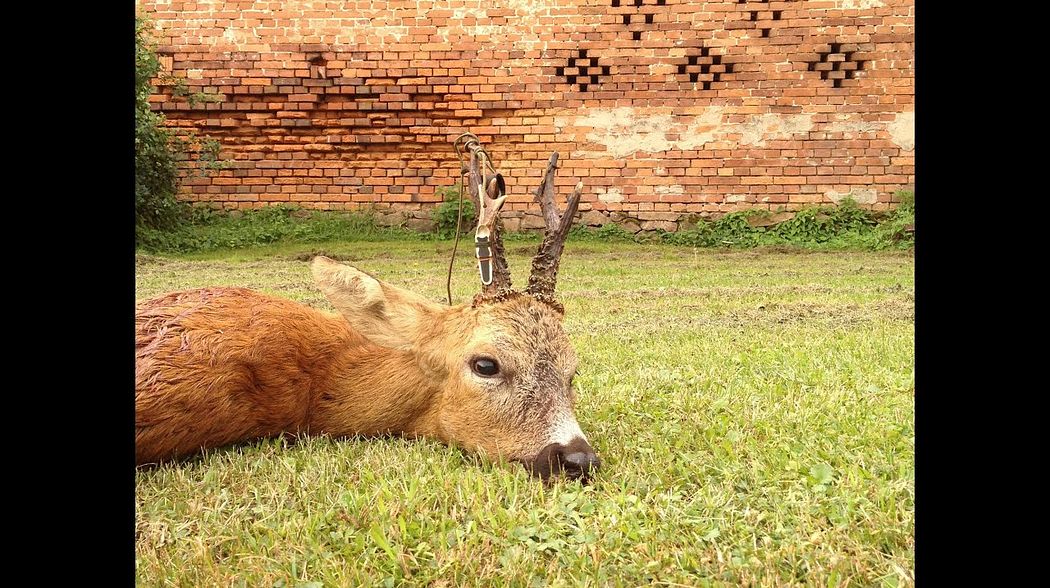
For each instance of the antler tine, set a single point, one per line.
(487, 195)
(544, 275)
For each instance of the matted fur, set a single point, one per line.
(220, 365)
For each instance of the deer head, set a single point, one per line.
(501, 367)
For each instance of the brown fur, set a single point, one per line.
(221, 365)
(216, 366)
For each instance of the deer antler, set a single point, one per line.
(544, 273)
(488, 196)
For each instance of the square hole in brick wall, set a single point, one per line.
(318, 67)
(167, 62)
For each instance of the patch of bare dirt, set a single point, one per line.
(142, 260)
(309, 255)
(827, 315)
(523, 250)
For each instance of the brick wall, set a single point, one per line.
(664, 108)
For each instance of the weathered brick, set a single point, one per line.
(688, 108)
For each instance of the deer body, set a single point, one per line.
(222, 365)
(216, 366)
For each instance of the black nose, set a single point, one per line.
(576, 461)
(580, 464)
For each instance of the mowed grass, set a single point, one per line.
(753, 411)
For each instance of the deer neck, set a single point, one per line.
(371, 390)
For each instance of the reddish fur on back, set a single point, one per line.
(215, 366)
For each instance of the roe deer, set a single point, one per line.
(216, 366)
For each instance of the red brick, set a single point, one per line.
(391, 103)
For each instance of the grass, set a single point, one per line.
(842, 227)
(753, 410)
(203, 230)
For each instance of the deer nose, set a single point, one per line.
(580, 464)
(575, 460)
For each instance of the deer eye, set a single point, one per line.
(485, 366)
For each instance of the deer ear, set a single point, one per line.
(387, 315)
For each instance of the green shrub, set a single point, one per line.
(445, 214)
(893, 231)
(609, 232)
(159, 151)
(730, 230)
(205, 230)
(156, 161)
(613, 232)
(823, 224)
(844, 226)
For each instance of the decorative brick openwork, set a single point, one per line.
(638, 15)
(838, 62)
(716, 107)
(703, 67)
(758, 15)
(582, 70)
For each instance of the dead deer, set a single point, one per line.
(217, 366)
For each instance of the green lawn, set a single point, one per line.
(753, 412)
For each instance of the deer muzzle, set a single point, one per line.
(575, 460)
